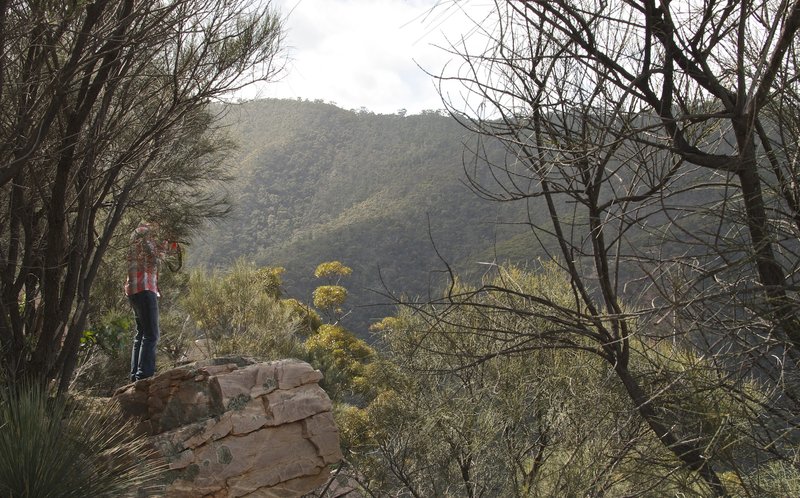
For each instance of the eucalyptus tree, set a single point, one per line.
(104, 118)
(654, 148)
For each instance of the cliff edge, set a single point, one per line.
(232, 427)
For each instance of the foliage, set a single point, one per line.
(353, 425)
(462, 410)
(262, 342)
(343, 359)
(656, 140)
(104, 120)
(330, 298)
(110, 334)
(776, 478)
(332, 270)
(699, 397)
(177, 335)
(308, 319)
(270, 276)
(238, 311)
(50, 448)
(106, 354)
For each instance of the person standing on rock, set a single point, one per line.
(145, 254)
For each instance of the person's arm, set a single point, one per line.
(175, 254)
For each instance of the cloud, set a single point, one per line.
(364, 53)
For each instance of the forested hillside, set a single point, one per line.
(313, 182)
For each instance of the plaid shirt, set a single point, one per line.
(144, 256)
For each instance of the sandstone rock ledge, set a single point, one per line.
(231, 427)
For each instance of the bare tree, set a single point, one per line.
(654, 146)
(105, 117)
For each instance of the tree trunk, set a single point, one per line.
(688, 453)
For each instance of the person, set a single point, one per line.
(145, 254)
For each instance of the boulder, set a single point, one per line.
(233, 427)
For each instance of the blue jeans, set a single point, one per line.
(143, 356)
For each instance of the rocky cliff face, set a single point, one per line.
(232, 427)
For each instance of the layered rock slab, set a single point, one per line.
(233, 427)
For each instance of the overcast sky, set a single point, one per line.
(367, 53)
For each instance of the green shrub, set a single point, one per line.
(105, 356)
(307, 319)
(239, 312)
(343, 359)
(776, 479)
(49, 448)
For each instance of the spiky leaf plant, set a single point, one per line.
(51, 448)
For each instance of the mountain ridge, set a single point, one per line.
(315, 183)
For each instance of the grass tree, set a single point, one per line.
(51, 447)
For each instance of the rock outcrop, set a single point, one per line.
(232, 427)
